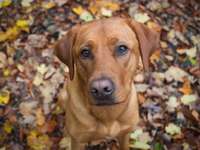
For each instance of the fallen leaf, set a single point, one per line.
(60, 2)
(6, 72)
(8, 127)
(195, 39)
(93, 9)
(5, 3)
(172, 129)
(171, 34)
(193, 61)
(10, 34)
(95, 6)
(20, 67)
(140, 145)
(114, 6)
(48, 5)
(139, 78)
(28, 108)
(65, 143)
(4, 97)
(38, 142)
(154, 26)
(3, 60)
(38, 79)
(186, 88)
(48, 126)
(106, 12)
(188, 99)
(26, 3)
(154, 6)
(192, 52)
(158, 146)
(37, 41)
(78, 10)
(141, 87)
(175, 73)
(86, 16)
(21, 23)
(135, 135)
(172, 103)
(42, 68)
(155, 57)
(141, 17)
(186, 146)
(163, 44)
(195, 114)
(40, 118)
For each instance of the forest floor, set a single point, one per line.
(30, 76)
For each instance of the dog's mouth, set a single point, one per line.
(106, 103)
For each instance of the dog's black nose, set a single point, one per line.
(102, 89)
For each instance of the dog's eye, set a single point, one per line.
(86, 53)
(121, 50)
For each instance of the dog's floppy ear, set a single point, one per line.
(148, 40)
(64, 49)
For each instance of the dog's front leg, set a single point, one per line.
(124, 142)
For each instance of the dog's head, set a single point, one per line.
(104, 55)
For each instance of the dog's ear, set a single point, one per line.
(64, 49)
(148, 40)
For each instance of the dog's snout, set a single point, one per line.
(102, 89)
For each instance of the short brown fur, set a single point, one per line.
(85, 121)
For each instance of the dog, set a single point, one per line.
(99, 99)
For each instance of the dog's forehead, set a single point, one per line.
(113, 27)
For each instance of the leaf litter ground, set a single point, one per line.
(30, 76)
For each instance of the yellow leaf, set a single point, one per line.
(21, 23)
(5, 3)
(97, 6)
(48, 5)
(3, 36)
(10, 34)
(154, 26)
(38, 142)
(58, 110)
(33, 133)
(6, 72)
(4, 97)
(78, 10)
(26, 29)
(8, 127)
(112, 5)
(93, 10)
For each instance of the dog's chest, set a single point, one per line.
(107, 131)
